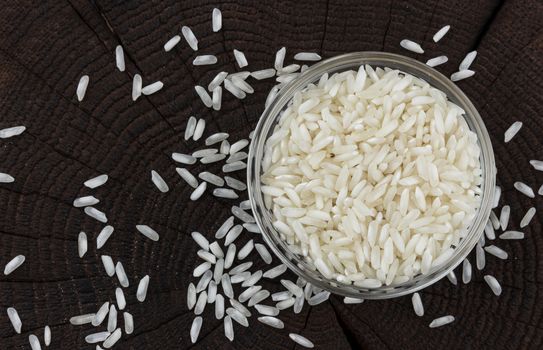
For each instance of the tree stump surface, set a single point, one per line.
(46, 46)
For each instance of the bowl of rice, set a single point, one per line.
(371, 175)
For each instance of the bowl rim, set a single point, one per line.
(341, 63)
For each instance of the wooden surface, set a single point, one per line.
(46, 46)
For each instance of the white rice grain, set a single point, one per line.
(241, 60)
(96, 181)
(504, 217)
(411, 46)
(198, 192)
(233, 234)
(497, 252)
(170, 44)
(225, 193)
(119, 58)
(279, 58)
(436, 61)
(512, 235)
(82, 87)
(14, 264)
(216, 19)
(461, 75)
(318, 298)
(141, 293)
(251, 281)
(15, 320)
(497, 195)
(230, 255)
(148, 232)
(224, 228)
(137, 85)
(417, 305)
(228, 328)
(187, 176)
(537, 164)
(199, 130)
(204, 96)
(512, 131)
(97, 337)
(307, 56)
(237, 316)
(263, 74)
(441, 321)
(527, 218)
(301, 340)
(119, 297)
(183, 158)
(228, 168)
(191, 126)
(190, 37)
(85, 201)
(113, 339)
(10, 132)
(238, 146)
(242, 214)
(524, 189)
(272, 322)
(216, 99)
(121, 275)
(466, 271)
(152, 88)
(240, 268)
(159, 182)
(195, 329)
(264, 253)
(217, 81)
(237, 157)
(204, 152)
(239, 306)
(201, 269)
(246, 250)
(235, 184)
(441, 33)
(81, 319)
(200, 303)
(212, 158)
(348, 300)
(219, 306)
(6, 178)
(204, 60)
(128, 323)
(227, 286)
(109, 266)
(233, 89)
(200, 240)
(275, 271)
(467, 61)
(101, 314)
(96, 214)
(267, 310)
(480, 257)
(112, 319)
(47, 335)
(82, 245)
(493, 284)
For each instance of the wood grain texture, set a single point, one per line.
(44, 49)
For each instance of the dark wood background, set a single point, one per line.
(45, 46)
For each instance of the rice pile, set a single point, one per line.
(373, 176)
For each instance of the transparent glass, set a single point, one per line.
(352, 61)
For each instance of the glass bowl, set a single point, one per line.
(352, 61)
